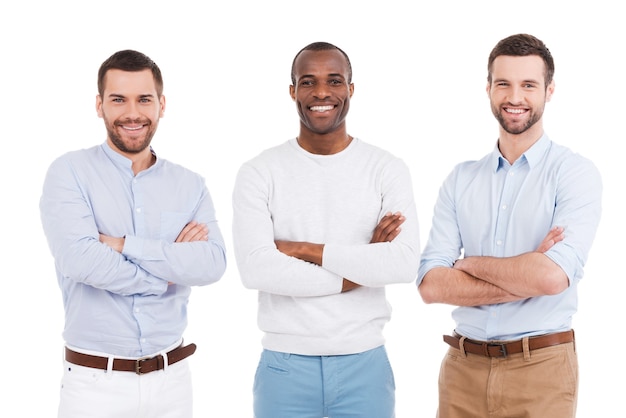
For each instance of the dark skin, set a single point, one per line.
(322, 94)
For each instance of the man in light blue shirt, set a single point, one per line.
(130, 234)
(510, 237)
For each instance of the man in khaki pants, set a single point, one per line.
(524, 217)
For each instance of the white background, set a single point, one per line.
(420, 77)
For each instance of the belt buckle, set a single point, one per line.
(501, 347)
(138, 365)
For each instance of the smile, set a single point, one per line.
(321, 108)
(516, 111)
(132, 128)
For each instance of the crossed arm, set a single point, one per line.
(192, 232)
(387, 229)
(473, 281)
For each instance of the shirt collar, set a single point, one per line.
(532, 155)
(121, 161)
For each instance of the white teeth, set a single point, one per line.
(132, 129)
(515, 110)
(321, 108)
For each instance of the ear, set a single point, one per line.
(550, 91)
(351, 89)
(292, 92)
(488, 89)
(99, 105)
(162, 105)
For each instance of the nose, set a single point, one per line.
(321, 91)
(132, 110)
(516, 95)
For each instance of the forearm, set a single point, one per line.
(188, 263)
(455, 287)
(306, 251)
(527, 275)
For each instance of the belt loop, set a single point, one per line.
(165, 361)
(109, 370)
(526, 349)
(462, 346)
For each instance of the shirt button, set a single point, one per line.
(504, 207)
(138, 210)
(499, 242)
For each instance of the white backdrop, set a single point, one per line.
(420, 76)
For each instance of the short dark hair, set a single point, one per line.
(522, 45)
(129, 60)
(320, 46)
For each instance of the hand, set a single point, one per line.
(192, 232)
(388, 228)
(556, 234)
(116, 243)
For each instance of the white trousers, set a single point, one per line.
(94, 393)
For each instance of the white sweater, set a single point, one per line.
(288, 193)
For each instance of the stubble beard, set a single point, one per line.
(131, 147)
(516, 129)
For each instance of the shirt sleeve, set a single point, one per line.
(578, 209)
(380, 264)
(73, 238)
(444, 231)
(187, 263)
(261, 266)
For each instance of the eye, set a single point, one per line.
(117, 100)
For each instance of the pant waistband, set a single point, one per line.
(495, 349)
(139, 366)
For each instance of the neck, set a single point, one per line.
(512, 146)
(141, 160)
(324, 144)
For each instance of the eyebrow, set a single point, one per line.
(121, 96)
(529, 80)
(327, 75)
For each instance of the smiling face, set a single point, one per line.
(518, 94)
(131, 110)
(322, 92)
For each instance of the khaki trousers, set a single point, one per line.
(538, 384)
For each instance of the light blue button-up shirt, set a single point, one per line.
(492, 208)
(122, 304)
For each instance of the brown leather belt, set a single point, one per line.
(495, 349)
(139, 366)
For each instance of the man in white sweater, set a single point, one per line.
(321, 224)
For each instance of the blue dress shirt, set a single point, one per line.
(121, 304)
(492, 208)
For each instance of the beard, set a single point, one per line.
(518, 127)
(130, 146)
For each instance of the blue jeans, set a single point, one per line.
(295, 386)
